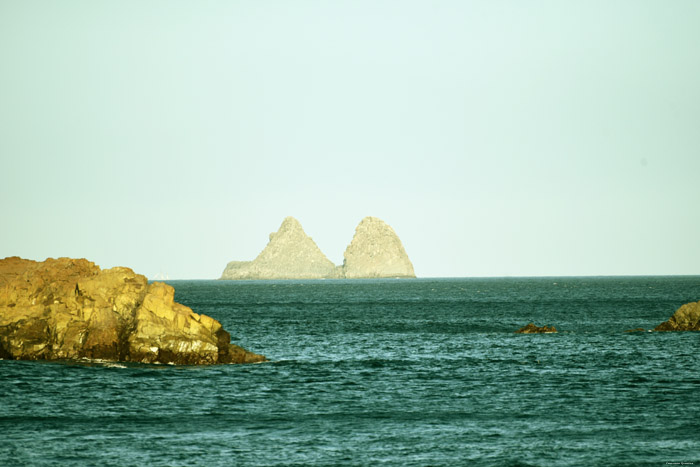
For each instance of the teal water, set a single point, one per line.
(386, 372)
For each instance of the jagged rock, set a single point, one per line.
(290, 254)
(376, 251)
(686, 318)
(71, 309)
(532, 329)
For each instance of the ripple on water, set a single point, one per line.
(387, 372)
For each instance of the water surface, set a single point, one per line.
(390, 372)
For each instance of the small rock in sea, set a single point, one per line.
(636, 330)
(532, 329)
(686, 318)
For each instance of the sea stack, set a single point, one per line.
(375, 252)
(686, 318)
(290, 254)
(70, 309)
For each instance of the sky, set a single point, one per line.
(497, 138)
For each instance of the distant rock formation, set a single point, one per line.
(290, 254)
(374, 252)
(532, 329)
(71, 309)
(686, 318)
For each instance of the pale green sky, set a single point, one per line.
(496, 137)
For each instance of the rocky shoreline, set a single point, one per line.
(70, 309)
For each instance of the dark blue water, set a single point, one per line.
(386, 372)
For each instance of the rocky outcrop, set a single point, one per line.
(532, 329)
(290, 254)
(376, 251)
(71, 309)
(686, 318)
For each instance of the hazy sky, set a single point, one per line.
(496, 137)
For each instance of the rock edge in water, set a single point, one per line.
(70, 309)
(686, 318)
(532, 329)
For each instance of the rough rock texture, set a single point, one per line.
(290, 254)
(71, 309)
(532, 329)
(376, 251)
(686, 318)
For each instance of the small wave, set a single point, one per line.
(281, 361)
(115, 365)
(101, 362)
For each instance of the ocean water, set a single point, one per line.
(386, 372)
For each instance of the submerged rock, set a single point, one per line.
(71, 309)
(376, 251)
(686, 318)
(532, 329)
(290, 254)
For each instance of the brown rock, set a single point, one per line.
(686, 318)
(71, 309)
(532, 329)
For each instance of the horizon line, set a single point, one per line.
(573, 276)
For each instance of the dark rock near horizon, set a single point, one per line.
(532, 329)
(70, 309)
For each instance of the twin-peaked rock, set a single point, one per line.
(374, 252)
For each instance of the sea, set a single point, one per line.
(424, 372)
